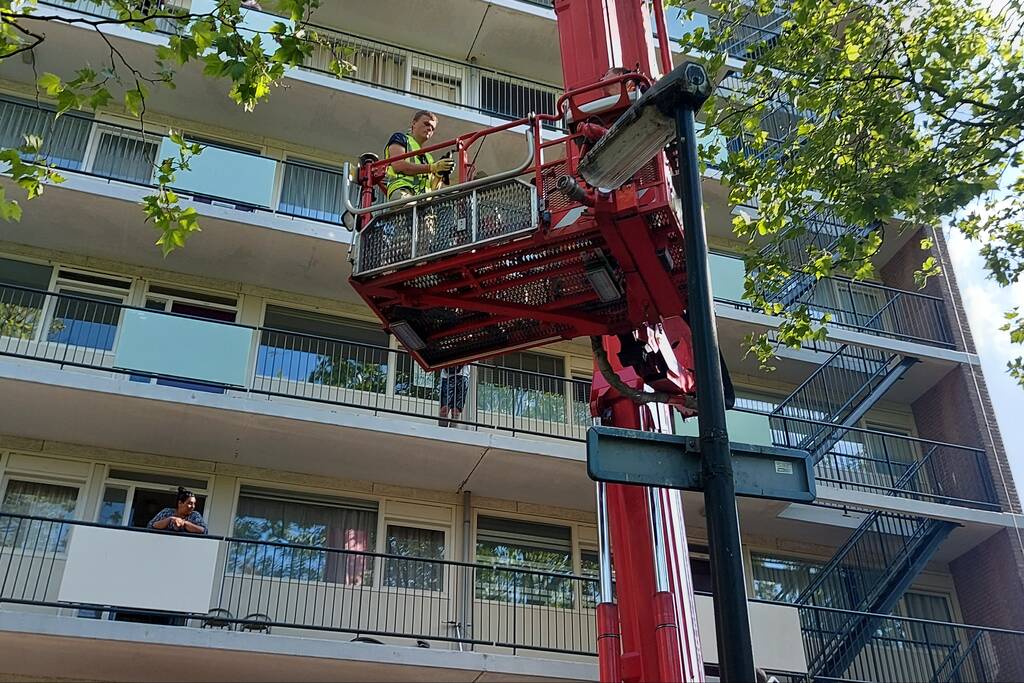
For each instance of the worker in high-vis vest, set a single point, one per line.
(420, 173)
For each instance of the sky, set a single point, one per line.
(986, 302)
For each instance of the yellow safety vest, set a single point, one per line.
(417, 184)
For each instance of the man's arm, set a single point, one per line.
(406, 166)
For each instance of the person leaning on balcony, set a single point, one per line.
(418, 174)
(182, 517)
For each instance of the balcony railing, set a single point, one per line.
(233, 177)
(279, 587)
(874, 461)
(906, 649)
(49, 565)
(861, 306)
(83, 331)
(396, 68)
(98, 333)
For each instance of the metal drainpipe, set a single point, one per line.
(467, 574)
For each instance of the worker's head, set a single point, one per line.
(616, 88)
(423, 125)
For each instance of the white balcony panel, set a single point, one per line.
(187, 348)
(171, 573)
(748, 428)
(774, 632)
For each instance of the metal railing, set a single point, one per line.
(262, 585)
(113, 152)
(875, 461)
(874, 309)
(399, 69)
(277, 587)
(907, 649)
(82, 330)
(750, 39)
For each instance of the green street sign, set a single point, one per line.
(630, 456)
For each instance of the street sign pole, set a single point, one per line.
(736, 659)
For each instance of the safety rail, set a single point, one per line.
(264, 586)
(84, 145)
(293, 589)
(388, 66)
(82, 331)
(875, 461)
(750, 39)
(907, 649)
(860, 306)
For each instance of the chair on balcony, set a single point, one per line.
(255, 622)
(218, 618)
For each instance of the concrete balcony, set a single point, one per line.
(79, 596)
(338, 116)
(144, 380)
(88, 580)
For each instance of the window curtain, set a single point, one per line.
(125, 157)
(52, 501)
(321, 533)
(64, 139)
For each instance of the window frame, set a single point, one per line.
(392, 520)
(70, 482)
(131, 485)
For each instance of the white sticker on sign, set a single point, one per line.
(783, 467)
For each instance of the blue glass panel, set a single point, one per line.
(179, 347)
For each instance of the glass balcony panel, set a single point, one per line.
(226, 174)
(89, 321)
(159, 344)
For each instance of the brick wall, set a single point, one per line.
(989, 581)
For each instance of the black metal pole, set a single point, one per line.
(735, 654)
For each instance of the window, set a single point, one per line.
(88, 316)
(437, 81)
(330, 534)
(125, 155)
(311, 191)
(55, 502)
(426, 571)
(133, 498)
(64, 139)
(21, 310)
(377, 64)
(505, 97)
(781, 579)
(528, 385)
(590, 567)
(302, 346)
(521, 545)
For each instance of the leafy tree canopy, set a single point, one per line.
(906, 112)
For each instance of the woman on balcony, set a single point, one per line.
(182, 518)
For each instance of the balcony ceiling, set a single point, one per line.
(43, 402)
(74, 218)
(512, 36)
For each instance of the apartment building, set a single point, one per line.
(352, 537)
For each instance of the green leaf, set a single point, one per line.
(50, 83)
